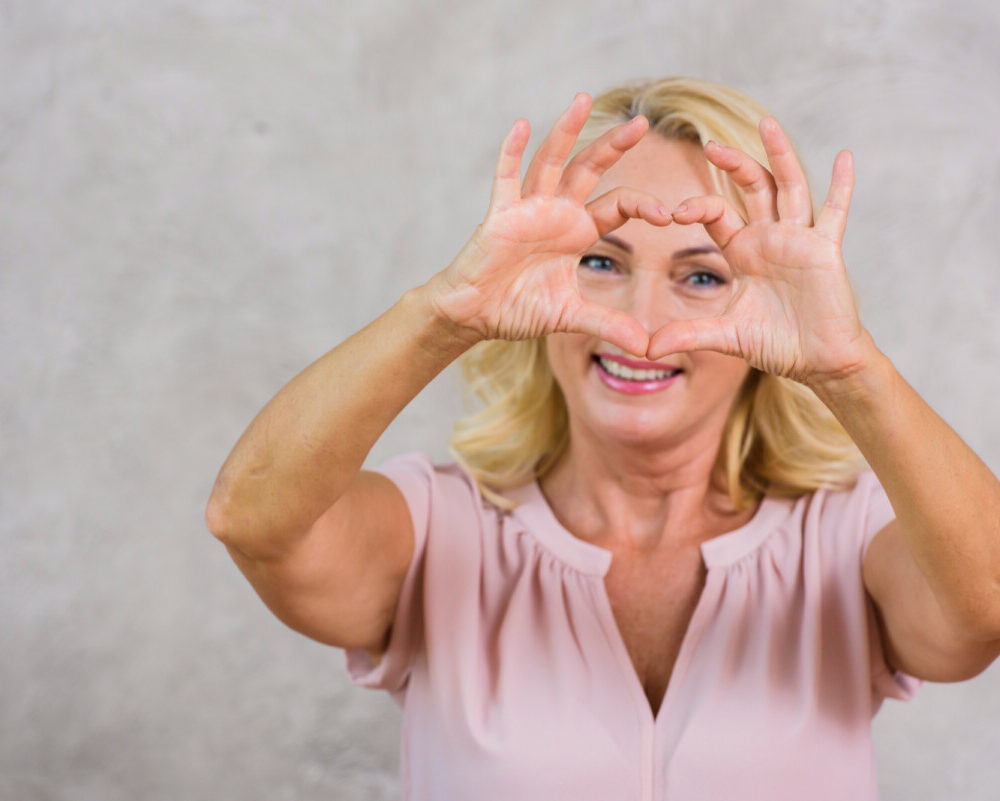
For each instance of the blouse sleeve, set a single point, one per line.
(886, 683)
(413, 474)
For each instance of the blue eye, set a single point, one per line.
(600, 264)
(703, 278)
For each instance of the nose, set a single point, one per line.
(655, 298)
(650, 300)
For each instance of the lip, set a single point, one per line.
(634, 364)
(634, 387)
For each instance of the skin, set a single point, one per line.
(934, 573)
(638, 469)
(326, 544)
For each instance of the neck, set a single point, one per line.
(618, 495)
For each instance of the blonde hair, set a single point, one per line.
(779, 438)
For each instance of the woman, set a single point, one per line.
(659, 569)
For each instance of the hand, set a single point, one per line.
(792, 312)
(517, 277)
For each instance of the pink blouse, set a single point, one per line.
(515, 683)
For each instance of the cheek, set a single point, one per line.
(607, 290)
(567, 352)
(568, 355)
(724, 374)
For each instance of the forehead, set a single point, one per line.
(671, 170)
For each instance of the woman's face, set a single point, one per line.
(656, 275)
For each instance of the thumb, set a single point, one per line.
(709, 333)
(611, 325)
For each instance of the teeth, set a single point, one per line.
(630, 374)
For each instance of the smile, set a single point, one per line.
(633, 380)
(631, 374)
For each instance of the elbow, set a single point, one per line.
(225, 526)
(232, 509)
(240, 529)
(993, 623)
(980, 616)
(219, 516)
(215, 520)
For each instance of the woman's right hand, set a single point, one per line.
(516, 278)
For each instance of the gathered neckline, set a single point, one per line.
(533, 509)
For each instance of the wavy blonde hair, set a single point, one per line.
(779, 438)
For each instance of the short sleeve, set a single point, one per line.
(413, 474)
(879, 512)
(886, 683)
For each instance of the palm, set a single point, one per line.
(794, 305)
(544, 240)
(516, 277)
(792, 312)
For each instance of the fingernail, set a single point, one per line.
(681, 208)
(664, 211)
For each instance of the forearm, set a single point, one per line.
(946, 499)
(305, 446)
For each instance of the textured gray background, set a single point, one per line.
(198, 198)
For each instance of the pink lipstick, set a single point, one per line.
(633, 377)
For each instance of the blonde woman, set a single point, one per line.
(660, 567)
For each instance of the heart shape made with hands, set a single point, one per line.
(791, 311)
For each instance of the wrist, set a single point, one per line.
(438, 332)
(862, 377)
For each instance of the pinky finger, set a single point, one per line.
(832, 219)
(507, 178)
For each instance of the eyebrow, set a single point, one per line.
(700, 250)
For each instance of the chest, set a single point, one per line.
(653, 601)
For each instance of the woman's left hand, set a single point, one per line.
(792, 312)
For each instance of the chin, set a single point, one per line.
(635, 427)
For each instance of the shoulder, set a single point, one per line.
(435, 489)
(845, 518)
(419, 468)
(862, 505)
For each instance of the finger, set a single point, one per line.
(794, 201)
(756, 182)
(611, 325)
(584, 171)
(832, 220)
(721, 220)
(546, 167)
(708, 333)
(507, 178)
(613, 209)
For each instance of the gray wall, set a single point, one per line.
(198, 198)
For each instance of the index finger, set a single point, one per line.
(615, 208)
(584, 172)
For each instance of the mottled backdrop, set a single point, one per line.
(198, 198)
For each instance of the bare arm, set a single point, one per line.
(934, 572)
(326, 546)
(308, 443)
